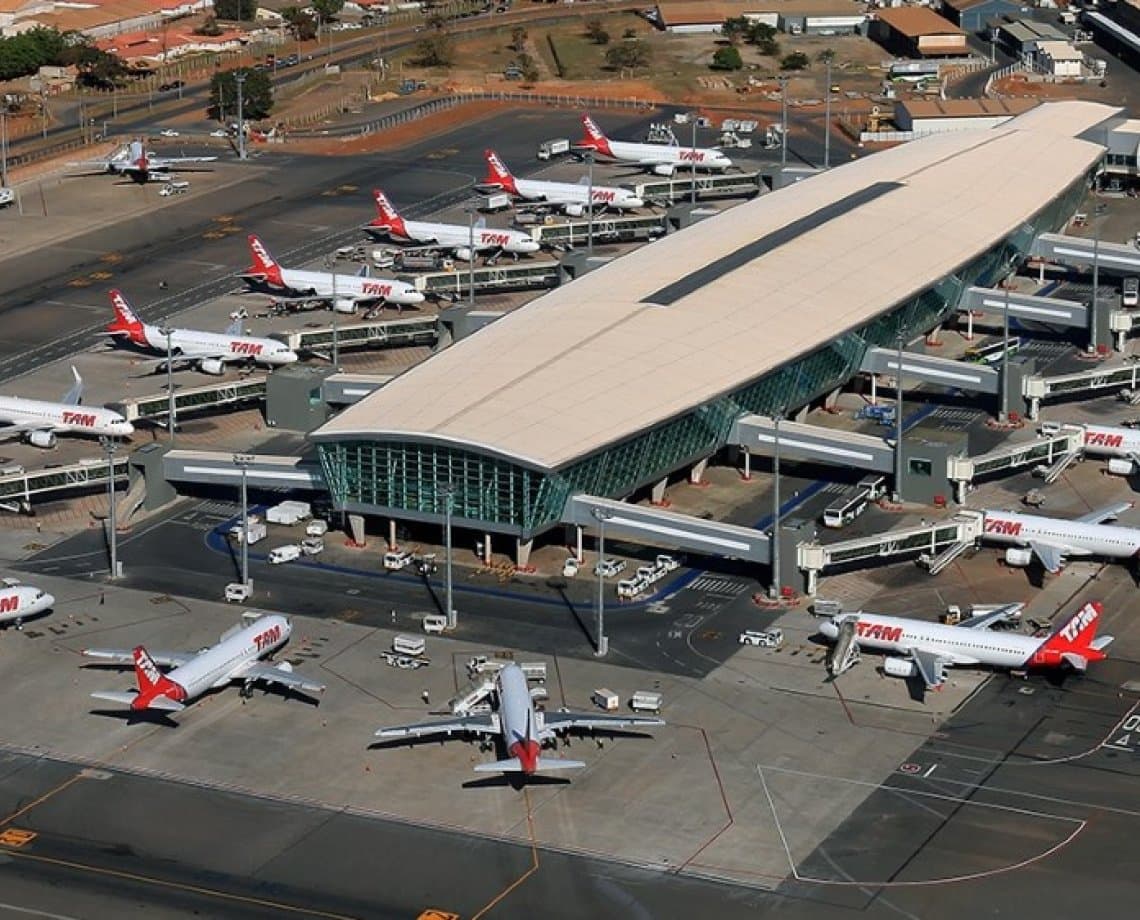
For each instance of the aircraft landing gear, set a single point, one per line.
(246, 691)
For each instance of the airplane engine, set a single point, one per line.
(898, 667)
(44, 439)
(464, 254)
(1121, 467)
(344, 305)
(575, 210)
(1018, 558)
(212, 366)
(664, 169)
(285, 667)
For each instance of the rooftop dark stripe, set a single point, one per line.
(693, 282)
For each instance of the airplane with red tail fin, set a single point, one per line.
(662, 159)
(572, 198)
(523, 730)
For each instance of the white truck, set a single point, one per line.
(555, 147)
(287, 553)
(605, 699)
(289, 513)
(645, 701)
(255, 527)
(498, 201)
(396, 560)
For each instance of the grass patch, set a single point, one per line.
(581, 58)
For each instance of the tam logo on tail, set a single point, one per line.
(152, 682)
(497, 172)
(594, 137)
(126, 320)
(263, 262)
(1075, 642)
(389, 216)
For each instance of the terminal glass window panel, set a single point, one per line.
(918, 466)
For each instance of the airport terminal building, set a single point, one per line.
(641, 368)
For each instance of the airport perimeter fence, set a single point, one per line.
(443, 103)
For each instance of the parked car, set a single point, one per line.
(570, 567)
(169, 132)
(236, 591)
(609, 567)
(763, 638)
(219, 132)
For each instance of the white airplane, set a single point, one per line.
(237, 656)
(209, 352)
(352, 291)
(573, 198)
(40, 421)
(927, 649)
(133, 161)
(662, 159)
(18, 602)
(1052, 539)
(460, 240)
(522, 729)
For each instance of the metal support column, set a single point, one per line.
(170, 401)
(243, 461)
(239, 79)
(899, 422)
(774, 590)
(452, 618)
(1003, 409)
(603, 643)
(109, 448)
(471, 263)
(589, 205)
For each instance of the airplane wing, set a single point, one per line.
(1051, 556)
(282, 677)
(168, 162)
(1002, 614)
(126, 656)
(562, 721)
(481, 725)
(931, 667)
(1108, 513)
(13, 428)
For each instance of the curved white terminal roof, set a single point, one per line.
(700, 313)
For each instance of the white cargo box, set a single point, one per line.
(286, 553)
(409, 645)
(435, 623)
(645, 701)
(605, 699)
(280, 514)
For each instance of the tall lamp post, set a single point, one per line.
(774, 590)
(243, 461)
(899, 418)
(784, 121)
(471, 257)
(330, 264)
(603, 642)
(828, 55)
(589, 204)
(4, 149)
(239, 79)
(448, 495)
(109, 446)
(170, 406)
(693, 163)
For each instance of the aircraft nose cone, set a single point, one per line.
(124, 428)
(829, 629)
(48, 600)
(529, 246)
(289, 357)
(635, 202)
(414, 297)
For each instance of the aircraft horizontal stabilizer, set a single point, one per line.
(513, 765)
(128, 699)
(1075, 661)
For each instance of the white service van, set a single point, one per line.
(435, 623)
(605, 699)
(286, 553)
(397, 560)
(645, 701)
(409, 645)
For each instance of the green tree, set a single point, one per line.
(727, 58)
(763, 36)
(529, 67)
(96, 67)
(209, 26)
(327, 9)
(256, 93)
(518, 38)
(629, 55)
(302, 25)
(435, 50)
(735, 29)
(244, 10)
(596, 31)
(797, 60)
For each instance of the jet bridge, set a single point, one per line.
(726, 185)
(16, 491)
(1028, 307)
(1047, 450)
(978, 378)
(757, 435)
(1114, 258)
(667, 528)
(813, 558)
(567, 234)
(345, 389)
(394, 333)
(490, 278)
(1036, 390)
(263, 471)
(193, 399)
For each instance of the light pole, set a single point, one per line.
(448, 493)
(239, 79)
(774, 590)
(693, 163)
(603, 642)
(109, 448)
(170, 407)
(827, 56)
(590, 204)
(4, 149)
(242, 461)
(330, 264)
(783, 121)
(1003, 411)
(899, 419)
(1095, 283)
(471, 257)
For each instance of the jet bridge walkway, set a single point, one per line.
(86, 475)
(727, 185)
(814, 558)
(1036, 390)
(193, 399)
(263, 471)
(1114, 258)
(798, 441)
(394, 333)
(568, 234)
(1048, 450)
(668, 528)
(504, 277)
(962, 375)
(1027, 307)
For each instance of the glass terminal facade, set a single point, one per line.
(409, 479)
